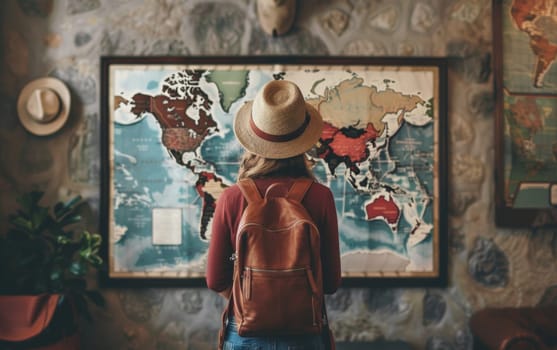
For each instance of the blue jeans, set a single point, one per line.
(233, 341)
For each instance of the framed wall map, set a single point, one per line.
(525, 48)
(169, 151)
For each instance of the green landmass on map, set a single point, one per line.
(231, 85)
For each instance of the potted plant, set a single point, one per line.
(45, 257)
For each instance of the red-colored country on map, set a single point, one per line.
(343, 145)
(380, 207)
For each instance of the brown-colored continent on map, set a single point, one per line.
(183, 113)
(180, 133)
(209, 187)
(171, 113)
(537, 18)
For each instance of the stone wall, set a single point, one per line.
(65, 38)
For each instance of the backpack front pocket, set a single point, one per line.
(290, 303)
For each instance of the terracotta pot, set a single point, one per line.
(39, 322)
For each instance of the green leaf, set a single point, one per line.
(85, 252)
(62, 209)
(39, 217)
(95, 260)
(73, 201)
(56, 275)
(68, 220)
(78, 268)
(56, 232)
(61, 239)
(85, 237)
(58, 207)
(22, 223)
(96, 240)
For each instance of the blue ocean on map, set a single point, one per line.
(144, 183)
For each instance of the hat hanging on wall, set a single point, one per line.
(276, 16)
(43, 106)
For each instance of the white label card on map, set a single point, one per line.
(167, 226)
(553, 194)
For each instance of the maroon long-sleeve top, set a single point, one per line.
(319, 203)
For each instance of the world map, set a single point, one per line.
(529, 77)
(172, 147)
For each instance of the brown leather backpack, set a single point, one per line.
(278, 285)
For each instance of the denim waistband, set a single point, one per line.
(232, 322)
(233, 340)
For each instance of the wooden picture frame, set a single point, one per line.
(160, 181)
(525, 115)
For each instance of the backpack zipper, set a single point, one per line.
(256, 269)
(247, 284)
(242, 228)
(246, 287)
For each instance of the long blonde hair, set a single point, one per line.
(254, 166)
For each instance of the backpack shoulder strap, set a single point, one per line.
(249, 190)
(299, 189)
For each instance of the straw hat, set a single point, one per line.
(278, 123)
(43, 106)
(276, 16)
